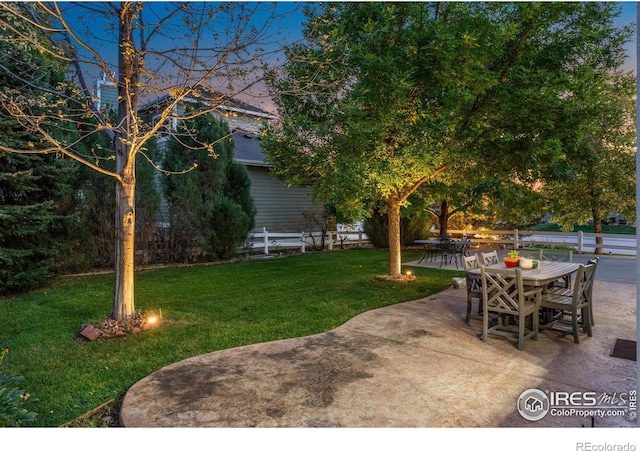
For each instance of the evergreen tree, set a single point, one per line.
(210, 206)
(37, 200)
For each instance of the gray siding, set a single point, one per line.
(278, 208)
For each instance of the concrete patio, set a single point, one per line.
(415, 365)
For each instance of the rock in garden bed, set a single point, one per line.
(110, 328)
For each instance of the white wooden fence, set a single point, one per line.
(579, 241)
(270, 241)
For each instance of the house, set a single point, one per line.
(105, 93)
(279, 208)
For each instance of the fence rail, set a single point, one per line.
(580, 241)
(268, 241)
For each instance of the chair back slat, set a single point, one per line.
(594, 261)
(556, 256)
(470, 262)
(584, 284)
(503, 289)
(473, 281)
(490, 258)
(577, 302)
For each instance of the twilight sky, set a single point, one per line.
(288, 28)
(628, 16)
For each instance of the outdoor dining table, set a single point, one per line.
(542, 276)
(545, 274)
(461, 246)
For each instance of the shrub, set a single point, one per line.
(377, 229)
(13, 398)
(225, 226)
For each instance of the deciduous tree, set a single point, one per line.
(144, 49)
(596, 174)
(383, 97)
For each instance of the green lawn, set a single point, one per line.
(205, 308)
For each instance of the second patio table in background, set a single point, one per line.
(433, 247)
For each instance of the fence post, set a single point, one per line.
(302, 239)
(580, 241)
(265, 238)
(330, 240)
(515, 239)
(359, 238)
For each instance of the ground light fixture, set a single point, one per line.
(152, 320)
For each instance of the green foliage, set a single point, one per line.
(210, 206)
(13, 399)
(148, 201)
(38, 193)
(228, 225)
(413, 227)
(383, 97)
(421, 85)
(97, 222)
(597, 174)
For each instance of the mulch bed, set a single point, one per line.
(109, 328)
(404, 278)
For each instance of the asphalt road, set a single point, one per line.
(613, 269)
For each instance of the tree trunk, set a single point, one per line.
(443, 217)
(395, 248)
(128, 64)
(597, 227)
(123, 298)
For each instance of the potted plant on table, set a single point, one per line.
(526, 262)
(512, 260)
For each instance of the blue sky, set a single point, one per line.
(628, 16)
(288, 27)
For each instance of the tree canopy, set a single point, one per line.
(383, 97)
(596, 175)
(38, 204)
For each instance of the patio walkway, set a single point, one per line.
(415, 364)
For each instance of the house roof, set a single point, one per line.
(223, 102)
(247, 149)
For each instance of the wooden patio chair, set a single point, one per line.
(474, 285)
(490, 258)
(558, 256)
(594, 261)
(568, 292)
(503, 293)
(575, 304)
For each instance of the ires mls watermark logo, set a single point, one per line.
(534, 404)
